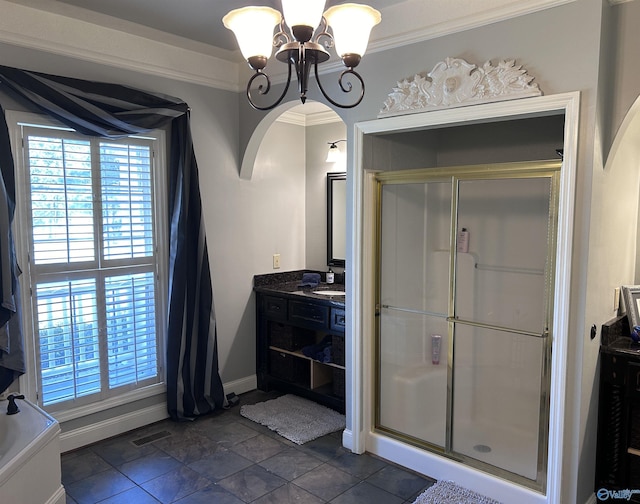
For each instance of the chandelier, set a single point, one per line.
(297, 46)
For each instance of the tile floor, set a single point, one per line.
(227, 459)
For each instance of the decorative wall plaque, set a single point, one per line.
(456, 83)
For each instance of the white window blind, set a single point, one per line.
(94, 265)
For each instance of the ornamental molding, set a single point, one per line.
(457, 83)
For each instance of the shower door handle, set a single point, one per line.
(456, 320)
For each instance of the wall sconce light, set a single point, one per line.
(333, 156)
(350, 25)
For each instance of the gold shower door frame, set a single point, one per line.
(455, 175)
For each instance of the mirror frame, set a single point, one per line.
(331, 178)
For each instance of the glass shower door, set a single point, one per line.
(415, 220)
(465, 265)
(502, 300)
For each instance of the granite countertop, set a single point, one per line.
(624, 345)
(288, 284)
(616, 339)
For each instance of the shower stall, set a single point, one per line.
(463, 313)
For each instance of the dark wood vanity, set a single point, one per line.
(618, 451)
(300, 338)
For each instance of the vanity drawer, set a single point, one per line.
(275, 308)
(337, 319)
(310, 314)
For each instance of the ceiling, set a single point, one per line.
(200, 21)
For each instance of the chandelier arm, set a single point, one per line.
(282, 37)
(345, 89)
(265, 91)
(323, 33)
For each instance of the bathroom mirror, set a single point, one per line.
(336, 219)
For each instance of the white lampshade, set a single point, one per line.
(333, 156)
(351, 25)
(253, 28)
(303, 13)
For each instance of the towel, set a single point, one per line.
(310, 280)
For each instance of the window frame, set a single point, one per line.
(17, 122)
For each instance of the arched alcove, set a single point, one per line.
(624, 160)
(295, 112)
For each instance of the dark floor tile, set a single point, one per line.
(145, 468)
(258, 448)
(213, 494)
(289, 494)
(220, 465)
(121, 450)
(251, 483)
(326, 481)
(227, 435)
(99, 487)
(366, 493)
(430, 482)
(175, 485)
(291, 463)
(324, 448)
(80, 465)
(135, 495)
(399, 482)
(188, 447)
(229, 459)
(360, 466)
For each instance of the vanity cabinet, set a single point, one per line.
(287, 324)
(618, 450)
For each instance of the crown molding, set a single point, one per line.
(313, 119)
(402, 16)
(616, 2)
(62, 35)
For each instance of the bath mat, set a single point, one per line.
(447, 492)
(297, 419)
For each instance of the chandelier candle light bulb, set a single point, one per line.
(305, 34)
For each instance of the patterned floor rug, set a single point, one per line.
(447, 492)
(297, 419)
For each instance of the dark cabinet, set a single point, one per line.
(618, 449)
(287, 325)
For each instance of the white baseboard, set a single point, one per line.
(242, 385)
(347, 439)
(98, 431)
(59, 497)
(77, 438)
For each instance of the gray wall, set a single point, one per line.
(316, 188)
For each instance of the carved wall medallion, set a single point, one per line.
(456, 83)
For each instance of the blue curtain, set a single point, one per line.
(12, 363)
(109, 110)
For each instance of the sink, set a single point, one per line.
(329, 292)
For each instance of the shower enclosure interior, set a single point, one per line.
(466, 252)
(465, 269)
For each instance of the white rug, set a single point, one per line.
(297, 419)
(447, 492)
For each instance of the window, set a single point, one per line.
(94, 220)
